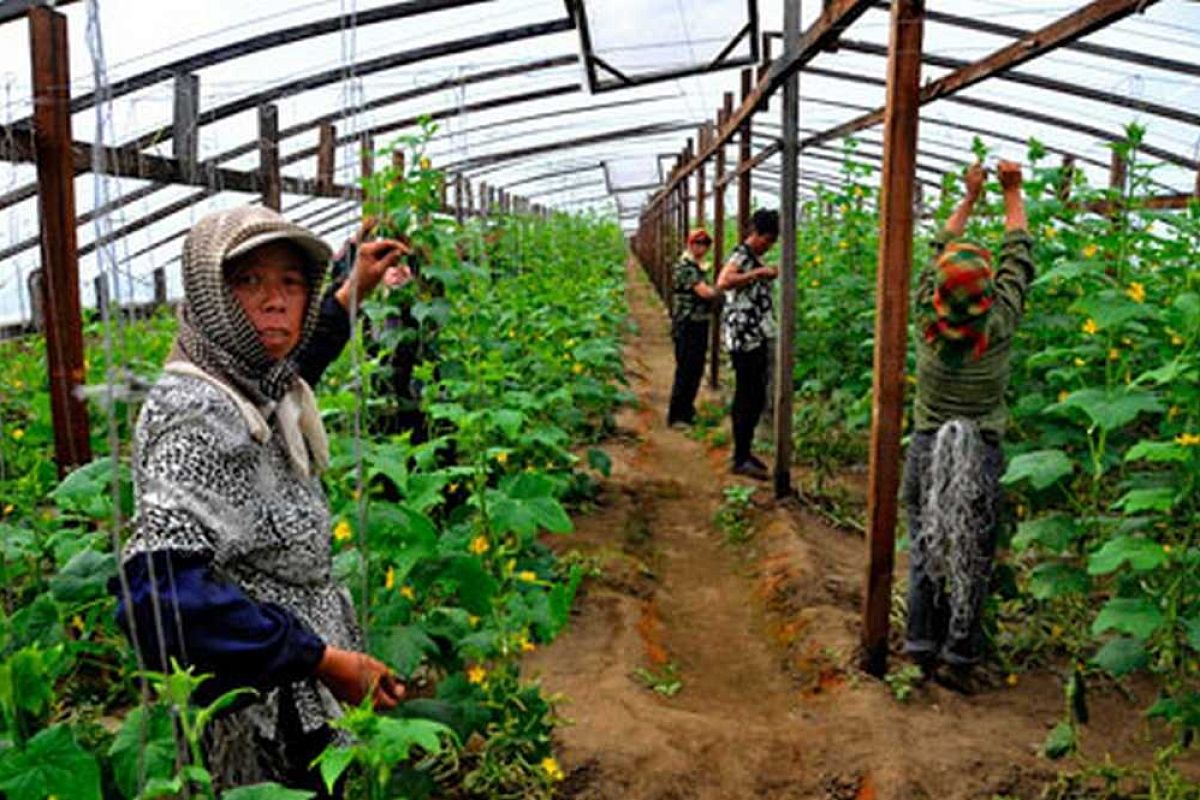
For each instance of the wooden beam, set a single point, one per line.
(11, 10)
(743, 172)
(785, 355)
(714, 345)
(1092, 17)
(63, 320)
(901, 114)
(702, 137)
(326, 157)
(835, 17)
(268, 156)
(185, 140)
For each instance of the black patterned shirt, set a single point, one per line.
(748, 319)
(686, 305)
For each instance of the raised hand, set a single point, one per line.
(1009, 173)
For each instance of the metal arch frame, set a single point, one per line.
(577, 10)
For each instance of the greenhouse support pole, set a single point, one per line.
(326, 157)
(714, 374)
(268, 156)
(744, 156)
(784, 355)
(185, 141)
(891, 321)
(459, 189)
(61, 315)
(685, 196)
(700, 177)
(1066, 178)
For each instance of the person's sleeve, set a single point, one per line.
(686, 277)
(1012, 282)
(327, 340)
(177, 609)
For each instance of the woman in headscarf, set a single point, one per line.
(968, 315)
(691, 307)
(229, 568)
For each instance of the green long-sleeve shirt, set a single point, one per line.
(974, 388)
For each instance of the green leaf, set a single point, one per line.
(509, 421)
(1143, 555)
(145, 745)
(1042, 468)
(397, 737)
(84, 578)
(599, 460)
(1158, 499)
(476, 587)
(1054, 533)
(1157, 452)
(1109, 409)
(1133, 616)
(1056, 579)
(1121, 656)
(403, 646)
(1193, 631)
(51, 764)
(333, 762)
(31, 681)
(1111, 309)
(550, 515)
(266, 791)
(1060, 742)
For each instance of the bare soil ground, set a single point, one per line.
(761, 637)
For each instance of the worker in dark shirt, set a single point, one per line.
(691, 308)
(967, 316)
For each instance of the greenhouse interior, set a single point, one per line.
(600, 399)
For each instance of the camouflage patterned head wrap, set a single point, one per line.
(956, 318)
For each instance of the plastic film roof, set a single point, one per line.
(531, 95)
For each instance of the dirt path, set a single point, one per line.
(759, 641)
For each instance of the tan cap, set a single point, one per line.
(254, 226)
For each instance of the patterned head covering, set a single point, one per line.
(957, 315)
(214, 332)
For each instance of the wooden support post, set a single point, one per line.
(160, 287)
(891, 321)
(714, 372)
(61, 315)
(459, 199)
(700, 179)
(398, 163)
(485, 197)
(744, 156)
(35, 286)
(1067, 178)
(100, 287)
(1117, 173)
(268, 156)
(468, 198)
(366, 155)
(784, 355)
(185, 141)
(685, 194)
(326, 157)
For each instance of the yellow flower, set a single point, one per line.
(1172, 412)
(424, 162)
(1136, 292)
(1049, 231)
(1090, 327)
(844, 245)
(1090, 251)
(552, 769)
(527, 576)
(1079, 362)
(342, 531)
(1166, 548)
(524, 645)
(1056, 631)
(389, 580)
(858, 192)
(817, 259)
(18, 434)
(577, 368)
(476, 674)
(1013, 679)
(815, 283)
(1176, 340)
(472, 620)
(8, 509)
(1063, 395)
(18, 384)
(1113, 354)
(502, 457)
(1188, 439)
(77, 623)
(407, 593)
(479, 545)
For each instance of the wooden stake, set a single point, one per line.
(700, 184)
(268, 156)
(1068, 178)
(185, 142)
(61, 315)
(326, 157)
(744, 156)
(784, 355)
(714, 373)
(891, 321)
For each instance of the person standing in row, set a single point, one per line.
(967, 317)
(691, 306)
(748, 328)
